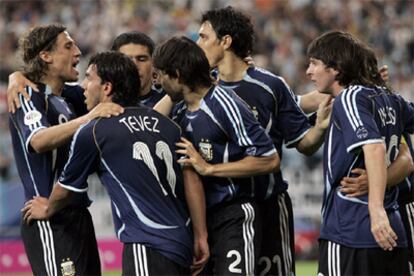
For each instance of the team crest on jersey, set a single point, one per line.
(206, 149)
(67, 268)
(255, 112)
(361, 132)
(32, 117)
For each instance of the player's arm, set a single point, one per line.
(399, 169)
(374, 156)
(311, 101)
(194, 193)
(17, 84)
(314, 138)
(52, 137)
(248, 166)
(164, 106)
(43, 208)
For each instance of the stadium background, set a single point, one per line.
(284, 29)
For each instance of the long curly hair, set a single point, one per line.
(41, 38)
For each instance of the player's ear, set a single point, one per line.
(46, 56)
(226, 41)
(107, 88)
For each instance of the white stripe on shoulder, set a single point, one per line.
(366, 142)
(73, 189)
(233, 113)
(349, 106)
(248, 78)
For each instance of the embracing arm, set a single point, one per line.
(164, 106)
(399, 169)
(17, 84)
(52, 137)
(246, 167)
(310, 101)
(314, 138)
(374, 156)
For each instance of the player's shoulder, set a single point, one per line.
(264, 76)
(350, 93)
(71, 87)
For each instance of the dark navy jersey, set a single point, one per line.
(39, 171)
(152, 97)
(134, 156)
(224, 130)
(360, 116)
(73, 94)
(275, 107)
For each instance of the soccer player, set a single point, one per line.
(136, 45)
(362, 235)
(233, 147)
(227, 37)
(41, 130)
(358, 185)
(139, 47)
(134, 155)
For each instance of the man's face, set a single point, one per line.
(143, 61)
(171, 86)
(65, 58)
(94, 89)
(210, 44)
(322, 76)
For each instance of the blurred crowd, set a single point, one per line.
(284, 29)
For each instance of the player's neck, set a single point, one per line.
(232, 68)
(337, 89)
(54, 83)
(144, 91)
(194, 98)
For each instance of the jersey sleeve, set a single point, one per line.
(353, 113)
(293, 122)
(241, 126)
(31, 117)
(83, 160)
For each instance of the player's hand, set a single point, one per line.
(192, 157)
(105, 110)
(17, 84)
(35, 208)
(381, 229)
(249, 60)
(323, 115)
(201, 255)
(355, 186)
(383, 71)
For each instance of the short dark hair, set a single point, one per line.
(185, 56)
(353, 59)
(40, 38)
(228, 21)
(134, 38)
(121, 72)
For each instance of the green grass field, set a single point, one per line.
(303, 268)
